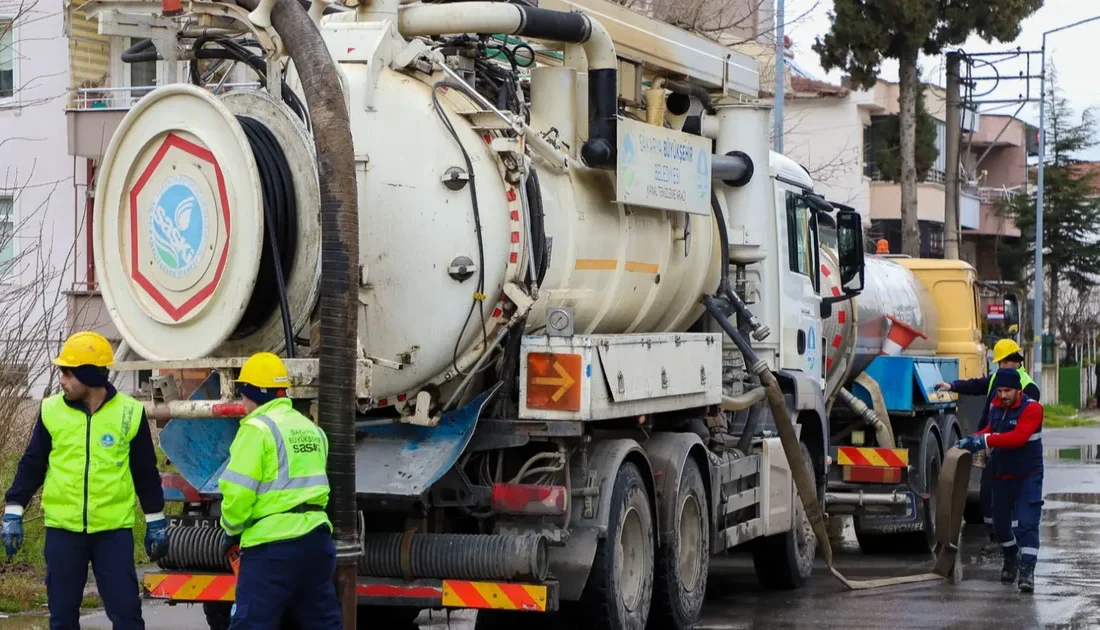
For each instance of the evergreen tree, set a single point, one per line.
(886, 143)
(1071, 210)
(865, 32)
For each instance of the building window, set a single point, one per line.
(142, 74)
(7, 234)
(931, 236)
(7, 59)
(937, 173)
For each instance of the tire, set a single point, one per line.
(785, 561)
(619, 589)
(928, 475)
(510, 620)
(925, 541)
(217, 614)
(682, 562)
(973, 513)
(396, 617)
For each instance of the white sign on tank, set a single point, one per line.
(661, 168)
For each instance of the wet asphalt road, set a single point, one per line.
(1067, 590)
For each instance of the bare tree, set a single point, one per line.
(733, 22)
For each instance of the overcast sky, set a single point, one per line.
(1075, 54)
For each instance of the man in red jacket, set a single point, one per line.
(1014, 434)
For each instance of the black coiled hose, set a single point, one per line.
(281, 238)
(195, 549)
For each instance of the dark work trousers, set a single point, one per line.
(1025, 494)
(112, 556)
(986, 497)
(290, 575)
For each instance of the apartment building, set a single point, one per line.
(40, 183)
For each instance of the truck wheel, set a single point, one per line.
(785, 561)
(620, 585)
(396, 617)
(925, 541)
(217, 614)
(927, 477)
(682, 562)
(510, 620)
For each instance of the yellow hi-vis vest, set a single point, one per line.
(1025, 379)
(276, 463)
(88, 485)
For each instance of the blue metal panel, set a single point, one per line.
(199, 447)
(908, 383)
(403, 461)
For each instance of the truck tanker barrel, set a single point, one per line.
(856, 331)
(440, 245)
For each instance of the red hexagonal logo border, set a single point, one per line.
(176, 312)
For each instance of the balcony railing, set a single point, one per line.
(994, 194)
(123, 98)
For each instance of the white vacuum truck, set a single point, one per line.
(558, 380)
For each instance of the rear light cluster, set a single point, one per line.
(524, 499)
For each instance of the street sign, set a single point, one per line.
(995, 311)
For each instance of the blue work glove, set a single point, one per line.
(12, 533)
(156, 539)
(973, 443)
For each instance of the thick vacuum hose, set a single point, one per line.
(339, 278)
(455, 556)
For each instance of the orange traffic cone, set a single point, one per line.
(900, 337)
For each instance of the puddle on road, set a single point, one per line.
(1087, 498)
(1085, 454)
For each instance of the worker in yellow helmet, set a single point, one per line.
(91, 451)
(274, 494)
(1006, 354)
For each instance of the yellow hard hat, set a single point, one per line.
(1004, 349)
(264, 370)
(85, 348)
(1013, 329)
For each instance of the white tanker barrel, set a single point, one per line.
(856, 329)
(435, 265)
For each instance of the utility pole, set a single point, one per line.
(1037, 330)
(953, 144)
(780, 75)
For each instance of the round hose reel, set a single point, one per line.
(179, 224)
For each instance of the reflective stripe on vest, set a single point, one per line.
(1015, 461)
(1025, 379)
(88, 485)
(262, 485)
(283, 480)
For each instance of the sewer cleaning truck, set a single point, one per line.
(599, 328)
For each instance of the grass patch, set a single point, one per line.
(1063, 416)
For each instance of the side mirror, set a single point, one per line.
(849, 231)
(1011, 306)
(817, 203)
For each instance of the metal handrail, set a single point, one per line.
(124, 97)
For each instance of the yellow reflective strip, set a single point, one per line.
(191, 589)
(496, 598)
(873, 457)
(153, 580)
(842, 458)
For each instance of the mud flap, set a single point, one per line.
(401, 461)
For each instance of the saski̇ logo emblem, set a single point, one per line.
(177, 227)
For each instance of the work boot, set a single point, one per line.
(1010, 567)
(1027, 578)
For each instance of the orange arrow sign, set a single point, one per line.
(563, 381)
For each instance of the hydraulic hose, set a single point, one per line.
(760, 332)
(339, 279)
